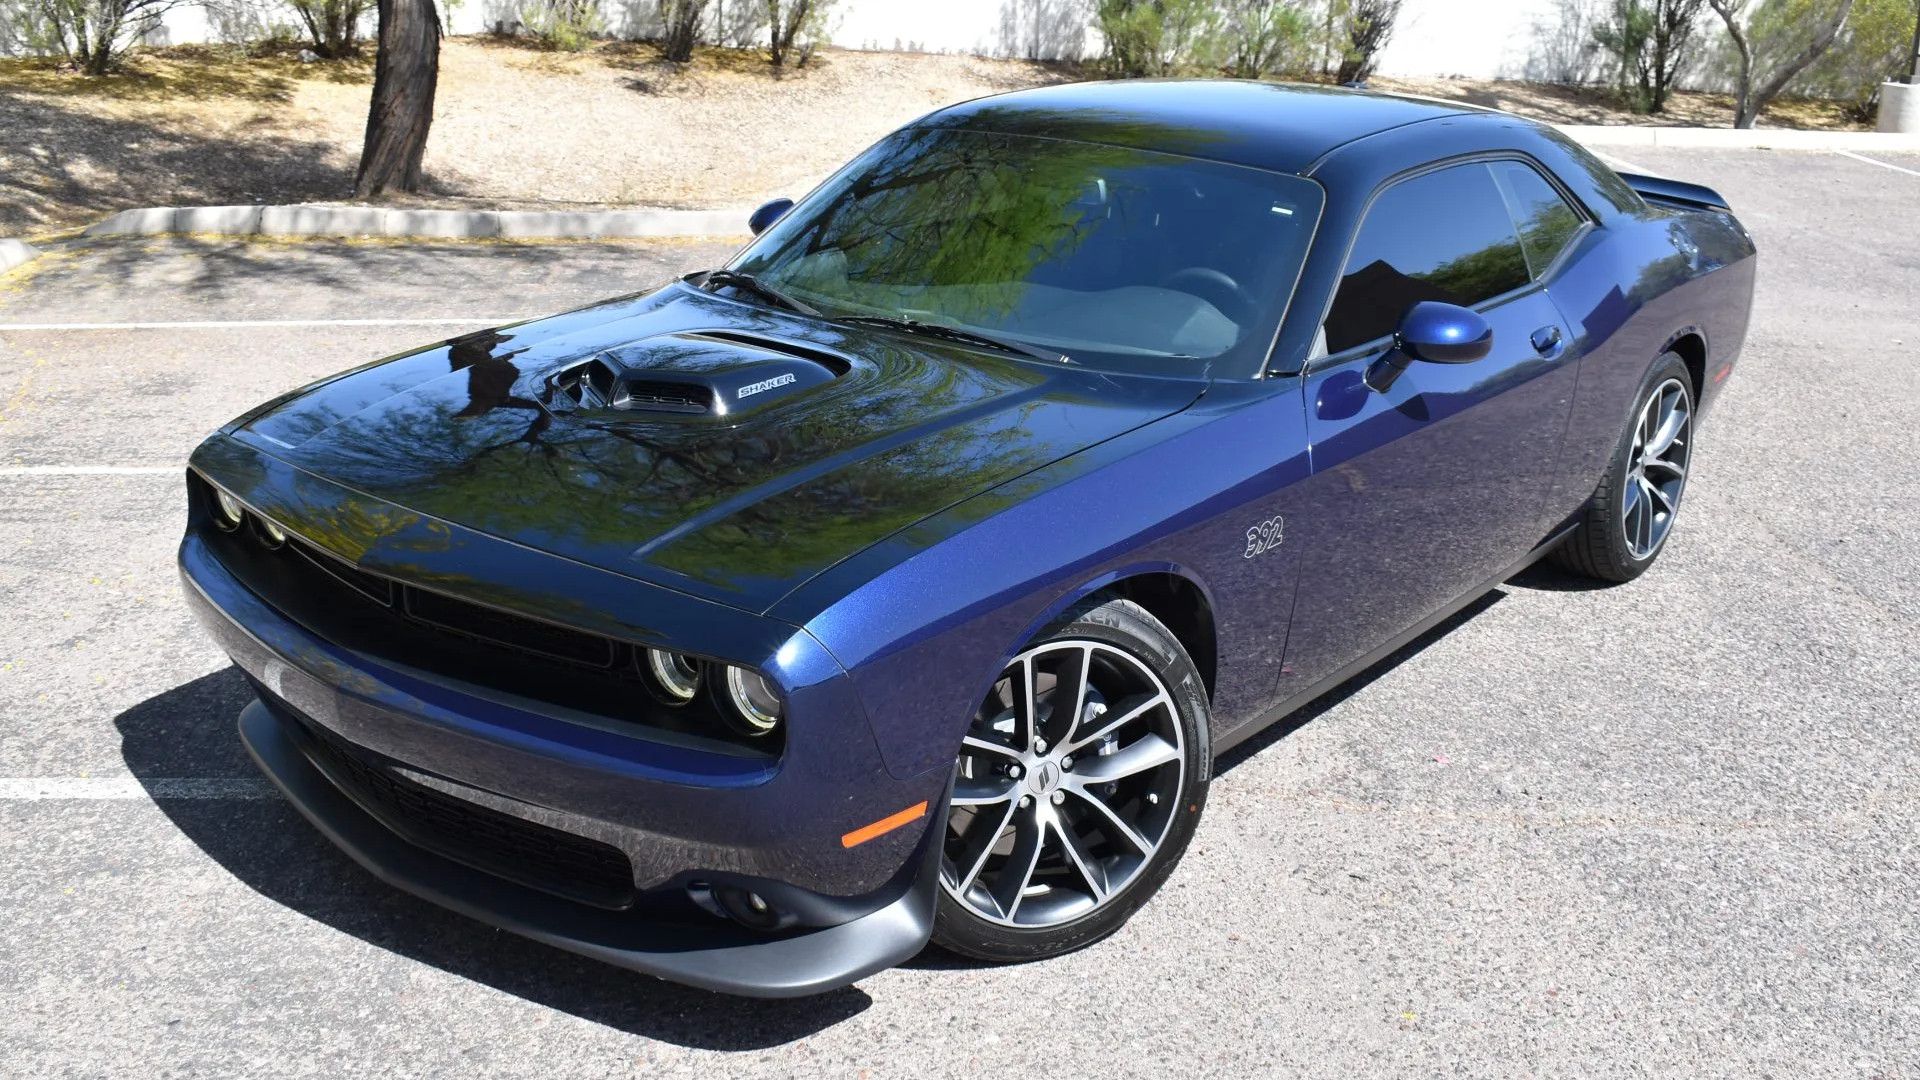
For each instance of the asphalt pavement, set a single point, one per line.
(1665, 829)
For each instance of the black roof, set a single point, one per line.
(1279, 126)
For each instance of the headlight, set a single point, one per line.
(227, 510)
(275, 534)
(753, 708)
(676, 674)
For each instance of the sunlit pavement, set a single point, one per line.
(1667, 828)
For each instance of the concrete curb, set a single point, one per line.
(1740, 138)
(14, 253)
(311, 219)
(317, 220)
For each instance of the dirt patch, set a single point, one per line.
(514, 127)
(190, 125)
(519, 128)
(618, 125)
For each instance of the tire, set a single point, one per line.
(1088, 869)
(1627, 522)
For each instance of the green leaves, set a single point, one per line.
(1245, 39)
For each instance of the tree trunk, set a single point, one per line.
(1743, 113)
(1730, 14)
(404, 75)
(777, 47)
(1326, 42)
(1656, 83)
(1913, 72)
(313, 30)
(96, 57)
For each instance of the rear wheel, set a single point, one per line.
(1630, 516)
(1078, 786)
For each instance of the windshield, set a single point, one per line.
(1119, 258)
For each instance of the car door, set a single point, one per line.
(1430, 488)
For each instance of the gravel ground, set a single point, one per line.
(1666, 829)
(519, 128)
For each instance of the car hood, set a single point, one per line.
(686, 439)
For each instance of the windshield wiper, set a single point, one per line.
(749, 283)
(954, 333)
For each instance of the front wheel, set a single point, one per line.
(1630, 516)
(1078, 786)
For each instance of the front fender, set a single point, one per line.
(924, 622)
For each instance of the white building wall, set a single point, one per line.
(1472, 38)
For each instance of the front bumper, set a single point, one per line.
(683, 818)
(719, 956)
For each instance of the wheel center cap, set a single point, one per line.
(1043, 777)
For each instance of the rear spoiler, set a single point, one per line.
(1679, 193)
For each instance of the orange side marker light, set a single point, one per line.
(885, 825)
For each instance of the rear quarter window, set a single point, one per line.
(1545, 220)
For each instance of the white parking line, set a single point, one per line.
(115, 788)
(246, 324)
(1871, 161)
(1623, 163)
(90, 470)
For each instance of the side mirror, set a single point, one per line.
(1436, 333)
(768, 214)
(1443, 333)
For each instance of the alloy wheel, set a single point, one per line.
(1067, 784)
(1657, 468)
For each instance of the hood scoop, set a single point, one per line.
(719, 373)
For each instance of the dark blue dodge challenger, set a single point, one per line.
(902, 579)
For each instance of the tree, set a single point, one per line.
(1369, 24)
(1651, 42)
(1152, 37)
(94, 34)
(332, 25)
(566, 25)
(1876, 45)
(680, 28)
(1751, 91)
(793, 27)
(405, 72)
(1262, 37)
(1564, 45)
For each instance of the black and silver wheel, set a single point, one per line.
(1630, 517)
(1657, 468)
(1078, 786)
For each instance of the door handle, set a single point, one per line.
(1548, 342)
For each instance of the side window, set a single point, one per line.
(1545, 220)
(1444, 236)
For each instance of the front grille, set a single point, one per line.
(448, 614)
(505, 628)
(471, 643)
(551, 860)
(377, 589)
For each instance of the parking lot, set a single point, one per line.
(1670, 828)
